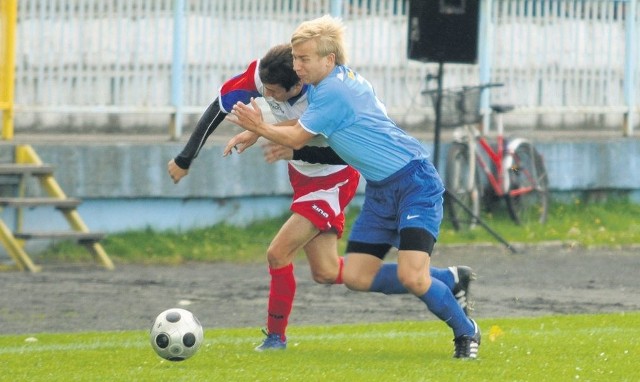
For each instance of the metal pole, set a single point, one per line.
(436, 138)
(9, 11)
(336, 8)
(177, 69)
(482, 223)
(485, 52)
(630, 66)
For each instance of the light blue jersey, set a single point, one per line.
(344, 108)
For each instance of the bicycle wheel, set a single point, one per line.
(462, 200)
(528, 184)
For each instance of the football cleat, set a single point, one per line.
(463, 276)
(466, 347)
(272, 342)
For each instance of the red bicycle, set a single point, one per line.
(513, 169)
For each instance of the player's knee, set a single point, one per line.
(415, 282)
(356, 282)
(323, 276)
(277, 258)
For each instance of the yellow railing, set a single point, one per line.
(8, 16)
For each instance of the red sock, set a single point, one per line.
(281, 293)
(340, 266)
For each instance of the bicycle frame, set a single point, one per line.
(495, 156)
(514, 170)
(495, 179)
(500, 158)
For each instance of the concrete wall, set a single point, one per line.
(124, 185)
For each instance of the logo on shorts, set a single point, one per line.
(409, 217)
(320, 211)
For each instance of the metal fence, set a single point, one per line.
(121, 64)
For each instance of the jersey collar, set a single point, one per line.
(295, 99)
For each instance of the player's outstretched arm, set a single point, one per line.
(178, 167)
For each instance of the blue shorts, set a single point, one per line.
(412, 197)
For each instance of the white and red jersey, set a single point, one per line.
(248, 85)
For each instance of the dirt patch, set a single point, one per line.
(539, 281)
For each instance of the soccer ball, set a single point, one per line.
(176, 334)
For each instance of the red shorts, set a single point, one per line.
(322, 199)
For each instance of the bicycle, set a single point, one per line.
(514, 170)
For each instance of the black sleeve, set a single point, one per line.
(315, 154)
(208, 122)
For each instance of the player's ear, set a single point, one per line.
(331, 57)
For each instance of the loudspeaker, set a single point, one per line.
(443, 31)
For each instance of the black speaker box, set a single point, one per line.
(443, 31)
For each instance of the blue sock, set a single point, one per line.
(441, 302)
(386, 280)
(444, 275)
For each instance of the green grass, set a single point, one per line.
(613, 223)
(553, 348)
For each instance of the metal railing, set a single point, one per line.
(145, 60)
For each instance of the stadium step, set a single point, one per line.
(25, 169)
(16, 186)
(62, 204)
(80, 237)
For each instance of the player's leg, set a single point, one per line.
(322, 200)
(317, 201)
(372, 236)
(440, 301)
(360, 271)
(293, 235)
(412, 264)
(434, 293)
(325, 263)
(420, 213)
(327, 266)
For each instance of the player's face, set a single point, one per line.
(279, 93)
(309, 66)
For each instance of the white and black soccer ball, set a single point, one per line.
(176, 334)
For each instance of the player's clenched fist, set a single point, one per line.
(175, 172)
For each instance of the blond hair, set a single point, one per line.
(328, 32)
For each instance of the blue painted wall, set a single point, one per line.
(125, 186)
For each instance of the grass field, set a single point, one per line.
(554, 348)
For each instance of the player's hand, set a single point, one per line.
(175, 172)
(240, 142)
(274, 152)
(249, 117)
